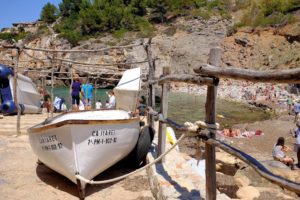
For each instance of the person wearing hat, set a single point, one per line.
(297, 145)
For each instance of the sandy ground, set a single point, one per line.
(22, 178)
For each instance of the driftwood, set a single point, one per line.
(187, 78)
(257, 166)
(271, 76)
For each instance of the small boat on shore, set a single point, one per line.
(86, 143)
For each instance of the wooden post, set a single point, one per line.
(151, 92)
(52, 85)
(164, 110)
(95, 93)
(16, 54)
(210, 117)
(71, 76)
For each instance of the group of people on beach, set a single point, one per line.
(83, 94)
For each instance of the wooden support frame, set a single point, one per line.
(151, 91)
(162, 139)
(270, 76)
(16, 54)
(210, 118)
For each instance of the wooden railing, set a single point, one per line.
(209, 74)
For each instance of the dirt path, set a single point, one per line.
(22, 178)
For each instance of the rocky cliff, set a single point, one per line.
(182, 45)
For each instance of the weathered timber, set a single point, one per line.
(151, 90)
(187, 78)
(210, 118)
(256, 165)
(16, 53)
(52, 84)
(164, 110)
(271, 76)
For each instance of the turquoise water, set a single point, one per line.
(186, 107)
(65, 93)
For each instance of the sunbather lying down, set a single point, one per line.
(279, 155)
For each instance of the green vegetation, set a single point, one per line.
(13, 36)
(270, 13)
(49, 13)
(80, 19)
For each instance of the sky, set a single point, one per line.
(12, 11)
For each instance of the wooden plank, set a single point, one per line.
(164, 110)
(270, 76)
(210, 118)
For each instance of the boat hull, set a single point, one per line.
(87, 147)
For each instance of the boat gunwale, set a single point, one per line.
(47, 125)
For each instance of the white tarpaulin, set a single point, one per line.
(127, 90)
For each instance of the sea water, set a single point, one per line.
(184, 107)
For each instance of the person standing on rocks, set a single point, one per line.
(87, 90)
(296, 110)
(76, 88)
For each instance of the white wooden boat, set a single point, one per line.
(89, 142)
(86, 142)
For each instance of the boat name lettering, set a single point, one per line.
(52, 147)
(97, 141)
(48, 139)
(107, 132)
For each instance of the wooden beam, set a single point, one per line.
(164, 110)
(210, 118)
(270, 76)
(187, 78)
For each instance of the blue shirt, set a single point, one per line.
(296, 107)
(76, 87)
(88, 90)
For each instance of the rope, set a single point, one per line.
(79, 50)
(134, 172)
(89, 64)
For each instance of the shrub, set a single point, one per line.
(49, 13)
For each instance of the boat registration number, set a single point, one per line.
(103, 136)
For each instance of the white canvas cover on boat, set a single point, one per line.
(127, 90)
(27, 94)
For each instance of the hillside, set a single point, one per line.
(183, 42)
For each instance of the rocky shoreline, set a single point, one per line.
(234, 177)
